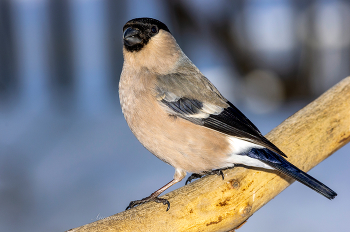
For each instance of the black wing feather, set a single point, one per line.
(237, 113)
(233, 122)
(230, 121)
(184, 106)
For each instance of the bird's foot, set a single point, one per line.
(217, 172)
(147, 199)
(194, 176)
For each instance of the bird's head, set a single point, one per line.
(138, 32)
(149, 43)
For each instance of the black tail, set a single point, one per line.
(279, 163)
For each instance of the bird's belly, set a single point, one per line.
(176, 141)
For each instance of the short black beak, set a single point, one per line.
(131, 37)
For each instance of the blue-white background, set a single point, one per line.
(67, 156)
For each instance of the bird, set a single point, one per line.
(181, 117)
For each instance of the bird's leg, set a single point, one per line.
(218, 172)
(153, 197)
(179, 175)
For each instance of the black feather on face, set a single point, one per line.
(138, 32)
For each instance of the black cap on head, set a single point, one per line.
(137, 32)
(146, 21)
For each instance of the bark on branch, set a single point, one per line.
(211, 204)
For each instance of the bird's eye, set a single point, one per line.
(154, 29)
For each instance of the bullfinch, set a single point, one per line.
(180, 117)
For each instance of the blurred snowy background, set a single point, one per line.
(68, 158)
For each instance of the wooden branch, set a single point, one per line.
(211, 204)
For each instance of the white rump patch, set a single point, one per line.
(238, 147)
